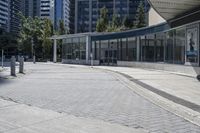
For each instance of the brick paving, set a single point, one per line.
(86, 92)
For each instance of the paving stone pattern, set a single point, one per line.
(91, 93)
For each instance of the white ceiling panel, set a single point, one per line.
(170, 9)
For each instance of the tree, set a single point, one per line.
(8, 42)
(24, 39)
(46, 42)
(141, 16)
(62, 30)
(115, 21)
(36, 31)
(127, 23)
(114, 25)
(102, 22)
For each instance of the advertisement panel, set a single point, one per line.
(192, 46)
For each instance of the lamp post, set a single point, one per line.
(33, 50)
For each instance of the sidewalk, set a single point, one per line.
(177, 93)
(19, 118)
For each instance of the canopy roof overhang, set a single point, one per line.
(174, 9)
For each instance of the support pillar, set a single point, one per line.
(55, 51)
(138, 48)
(88, 49)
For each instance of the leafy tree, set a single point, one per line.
(115, 21)
(141, 16)
(62, 30)
(36, 31)
(46, 42)
(25, 36)
(127, 23)
(8, 41)
(114, 25)
(102, 22)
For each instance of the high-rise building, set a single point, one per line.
(16, 6)
(47, 9)
(32, 8)
(72, 16)
(4, 15)
(55, 10)
(87, 12)
(62, 13)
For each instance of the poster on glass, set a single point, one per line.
(192, 46)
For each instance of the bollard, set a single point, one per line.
(21, 65)
(12, 66)
(34, 59)
(198, 77)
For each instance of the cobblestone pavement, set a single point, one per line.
(86, 92)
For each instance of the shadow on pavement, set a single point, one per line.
(3, 81)
(197, 70)
(7, 64)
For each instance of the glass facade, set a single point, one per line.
(174, 46)
(88, 11)
(74, 48)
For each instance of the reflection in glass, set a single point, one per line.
(179, 48)
(132, 49)
(169, 47)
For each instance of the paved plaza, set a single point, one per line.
(83, 94)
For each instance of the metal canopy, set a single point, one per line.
(171, 9)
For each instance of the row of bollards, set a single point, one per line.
(13, 66)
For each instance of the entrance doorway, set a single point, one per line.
(108, 52)
(110, 57)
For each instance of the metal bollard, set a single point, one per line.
(12, 66)
(21, 65)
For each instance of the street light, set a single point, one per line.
(33, 50)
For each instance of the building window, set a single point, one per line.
(169, 48)
(132, 45)
(179, 46)
(159, 53)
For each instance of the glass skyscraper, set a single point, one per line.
(55, 10)
(16, 6)
(4, 15)
(87, 12)
(32, 8)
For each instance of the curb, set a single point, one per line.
(177, 109)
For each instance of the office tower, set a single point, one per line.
(55, 10)
(62, 13)
(4, 15)
(87, 12)
(32, 8)
(15, 9)
(72, 16)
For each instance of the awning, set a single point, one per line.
(171, 9)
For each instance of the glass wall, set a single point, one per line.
(132, 45)
(159, 50)
(124, 49)
(169, 47)
(179, 46)
(148, 48)
(74, 48)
